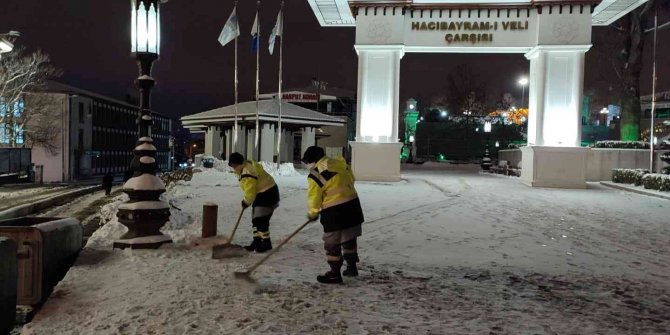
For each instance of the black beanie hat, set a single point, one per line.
(235, 159)
(312, 155)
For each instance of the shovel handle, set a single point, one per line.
(239, 218)
(273, 251)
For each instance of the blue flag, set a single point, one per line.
(255, 36)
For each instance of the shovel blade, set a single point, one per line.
(244, 275)
(228, 251)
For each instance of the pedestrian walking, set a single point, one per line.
(261, 193)
(332, 196)
(107, 183)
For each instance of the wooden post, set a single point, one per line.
(209, 215)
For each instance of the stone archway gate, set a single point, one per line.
(553, 35)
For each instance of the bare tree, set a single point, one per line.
(28, 121)
(466, 91)
(632, 28)
(505, 103)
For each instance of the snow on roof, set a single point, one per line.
(267, 108)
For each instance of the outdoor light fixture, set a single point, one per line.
(411, 138)
(411, 106)
(523, 82)
(443, 113)
(604, 110)
(144, 213)
(487, 126)
(145, 26)
(6, 43)
(497, 144)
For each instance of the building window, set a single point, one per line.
(18, 108)
(4, 133)
(81, 139)
(19, 134)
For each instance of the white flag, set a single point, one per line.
(276, 31)
(230, 30)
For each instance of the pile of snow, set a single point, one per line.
(110, 228)
(285, 169)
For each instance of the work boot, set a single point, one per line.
(351, 270)
(333, 276)
(254, 245)
(265, 245)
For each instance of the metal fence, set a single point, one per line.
(15, 165)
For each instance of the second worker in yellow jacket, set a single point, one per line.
(332, 195)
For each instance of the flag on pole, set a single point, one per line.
(255, 36)
(276, 31)
(230, 30)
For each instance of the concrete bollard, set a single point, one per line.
(209, 214)
(8, 284)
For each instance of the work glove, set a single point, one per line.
(244, 205)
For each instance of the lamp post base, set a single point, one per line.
(146, 242)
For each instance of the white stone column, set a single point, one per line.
(308, 139)
(213, 141)
(268, 142)
(554, 156)
(376, 151)
(285, 156)
(228, 143)
(241, 140)
(289, 146)
(250, 152)
(555, 95)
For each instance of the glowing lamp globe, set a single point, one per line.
(145, 26)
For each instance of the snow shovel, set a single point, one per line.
(228, 250)
(246, 274)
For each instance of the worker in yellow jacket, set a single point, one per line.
(331, 194)
(260, 192)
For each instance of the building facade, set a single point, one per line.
(95, 135)
(331, 101)
(299, 128)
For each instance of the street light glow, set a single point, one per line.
(523, 81)
(5, 45)
(443, 113)
(487, 126)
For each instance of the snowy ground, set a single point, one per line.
(445, 251)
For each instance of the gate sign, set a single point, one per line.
(299, 97)
(475, 30)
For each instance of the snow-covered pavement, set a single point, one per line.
(445, 251)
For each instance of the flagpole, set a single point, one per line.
(281, 47)
(258, 44)
(236, 95)
(653, 93)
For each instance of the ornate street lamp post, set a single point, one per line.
(486, 161)
(144, 214)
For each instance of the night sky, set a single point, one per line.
(90, 41)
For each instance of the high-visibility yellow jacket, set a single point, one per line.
(254, 180)
(330, 183)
